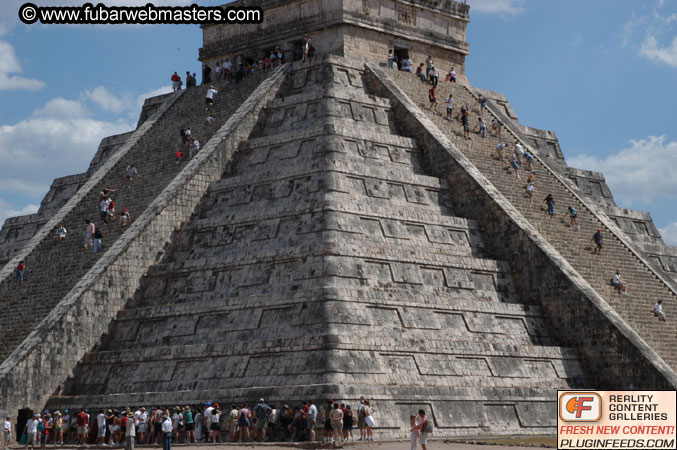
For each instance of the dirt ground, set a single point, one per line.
(504, 443)
(386, 445)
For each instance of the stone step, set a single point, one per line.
(643, 285)
(52, 273)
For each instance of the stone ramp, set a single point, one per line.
(56, 268)
(327, 263)
(501, 185)
(78, 320)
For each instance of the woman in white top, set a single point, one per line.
(369, 420)
(216, 425)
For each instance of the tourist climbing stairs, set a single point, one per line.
(644, 286)
(53, 269)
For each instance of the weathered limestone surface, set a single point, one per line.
(34, 370)
(540, 270)
(351, 28)
(331, 241)
(328, 263)
(636, 227)
(16, 232)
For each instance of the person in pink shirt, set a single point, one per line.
(89, 232)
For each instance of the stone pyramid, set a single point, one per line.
(333, 239)
(326, 263)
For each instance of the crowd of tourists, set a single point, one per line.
(514, 155)
(208, 423)
(224, 70)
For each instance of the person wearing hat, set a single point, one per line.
(167, 430)
(232, 423)
(130, 431)
(58, 428)
(207, 425)
(360, 420)
(262, 411)
(189, 423)
(31, 430)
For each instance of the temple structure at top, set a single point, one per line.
(351, 28)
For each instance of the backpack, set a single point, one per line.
(428, 427)
(41, 425)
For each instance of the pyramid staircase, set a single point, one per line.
(328, 263)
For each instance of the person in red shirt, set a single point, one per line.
(176, 82)
(179, 155)
(111, 211)
(20, 273)
(82, 419)
(433, 100)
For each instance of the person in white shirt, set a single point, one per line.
(61, 233)
(167, 430)
(450, 106)
(406, 65)
(519, 152)
(208, 420)
(658, 310)
(101, 425)
(619, 284)
(227, 68)
(194, 147)
(130, 433)
(31, 430)
(209, 120)
(209, 98)
(452, 75)
(312, 419)
(143, 425)
(103, 209)
(7, 431)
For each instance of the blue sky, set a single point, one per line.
(602, 74)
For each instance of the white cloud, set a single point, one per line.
(39, 149)
(152, 93)
(669, 233)
(108, 101)
(655, 34)
(62, 108)
(58, 139)
(641, 173)
(6, 210)
(9, 65)
(497, 6)
(652, 50)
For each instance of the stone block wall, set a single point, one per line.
(328, 263)
(354, 28)
(635, 227)
(613, 353)
(47, 357)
